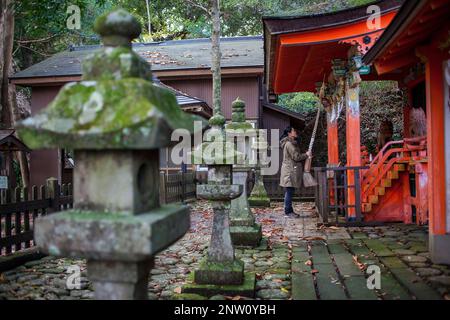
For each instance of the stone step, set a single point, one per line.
(336, 248)
(320, 254)
(346, 265)
(357, 288)
(378, 248)
(302, 278)
(387, 183)
(366, 207)
(391, 289)
(393, 263)
(373, 199)
(415, 285)
(380, 191)
(328, 283)
(298, 262)
(303, 286)
(392, 174)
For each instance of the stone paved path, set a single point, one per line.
(297, 260)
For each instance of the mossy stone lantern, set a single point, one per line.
(220, 271)
(115, 120)
(244, 230)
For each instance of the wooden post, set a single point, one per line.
(162, 188)
(436, 118)
(333, 141)
(52, 193)
(353, 135)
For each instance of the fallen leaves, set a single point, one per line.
(267, 221)
(235, 298)
(360, 265)
(277, 280)
(313, 238)
(177, 290)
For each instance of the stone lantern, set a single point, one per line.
(258, 196)
(244, 230)
(220, 272)
(116, 120)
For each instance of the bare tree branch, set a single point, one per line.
(197, 5)
(37, 40)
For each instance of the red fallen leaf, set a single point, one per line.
(177, 290)
(314, 271)
(308, 263)
(360, 265)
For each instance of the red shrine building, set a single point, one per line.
(405, 41)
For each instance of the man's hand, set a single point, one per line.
(309, 154)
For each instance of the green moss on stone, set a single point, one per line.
(188, 296)
(117, 22)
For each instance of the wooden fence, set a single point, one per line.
(20, 207)
(177, 187)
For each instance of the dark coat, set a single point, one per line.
(292, 166)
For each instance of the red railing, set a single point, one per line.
(379, 167)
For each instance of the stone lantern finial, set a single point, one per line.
(117, 28)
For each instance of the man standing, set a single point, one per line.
(291, 176)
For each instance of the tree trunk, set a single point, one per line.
(216, 56)
(149, 18)
(8, 112)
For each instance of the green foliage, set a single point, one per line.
(41, 29)
(301, 102)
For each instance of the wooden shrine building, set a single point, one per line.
(405, 41)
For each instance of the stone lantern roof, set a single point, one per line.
(115, 106)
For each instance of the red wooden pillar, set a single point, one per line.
(436, 88)
(333, 151)
(353, 136)
(333, 141)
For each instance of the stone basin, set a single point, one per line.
(219, 192)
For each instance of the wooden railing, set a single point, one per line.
(410, 150)
(20, 207)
